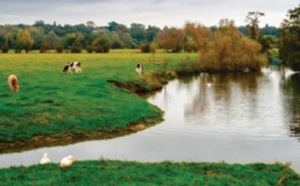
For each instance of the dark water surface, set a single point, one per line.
(236, 118)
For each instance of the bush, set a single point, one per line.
(101, 49)
(4, 48)
(76, 49)
(145, 48)
(59, 49)
(117, 44)
(101, 45)
(43, 48)
(191, 47)
(18, 50)
(148, 47)
(89, 49)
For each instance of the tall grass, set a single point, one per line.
(52, 106)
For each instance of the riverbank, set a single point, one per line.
(108, 172)
(53, 108)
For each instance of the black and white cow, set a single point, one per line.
(72, 66)
(139, 69)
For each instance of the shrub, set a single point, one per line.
(43, 48)
(59, 49)
(117, 44)
(18, 50)
(101, 45)
(148, 47)
(76, 49)
(4, 48)
(89, 49)
(153, 47)
(145, 48)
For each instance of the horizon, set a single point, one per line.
(101, 26)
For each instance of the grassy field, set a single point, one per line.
(52, 108)
(55, 108)
(106, 172)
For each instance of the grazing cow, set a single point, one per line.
(72, 66)
(13, 83)
(139, 69)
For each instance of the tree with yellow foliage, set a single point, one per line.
(227, 50)
(24, 40)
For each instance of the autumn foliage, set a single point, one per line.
(226, 50)
(171, 39)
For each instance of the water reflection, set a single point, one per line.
(220, 89)
(237, 118)
(291, 90)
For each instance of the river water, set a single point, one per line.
(236, 118)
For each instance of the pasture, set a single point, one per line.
(54, 108)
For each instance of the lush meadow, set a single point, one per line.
(55, 108)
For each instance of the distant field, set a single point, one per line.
(52, 107)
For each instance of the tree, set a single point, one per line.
(171, 39)
(126, 40)
(151, 32)
(112, 26)
(116, 41)
(138, 33)
(91, 24)
(104, 34)
(267, 43)
(51, 40)
(226, 50)
(289, 50)
(200, 34)
(254, 33)
(37, 35)
(69, 40)
(24, 40)
(10, 33)
(101, 45)
(233, 51)
(252, 19)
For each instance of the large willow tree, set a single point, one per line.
(290, 39)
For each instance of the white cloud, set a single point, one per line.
(151, 12)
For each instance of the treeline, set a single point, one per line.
(43, 37)
(289, 48)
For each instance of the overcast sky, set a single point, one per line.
(149, 12)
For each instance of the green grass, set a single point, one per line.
(107, 172)
(52, 107)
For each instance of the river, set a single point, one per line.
(233, 117)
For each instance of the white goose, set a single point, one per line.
(45, 159)
(67, 161)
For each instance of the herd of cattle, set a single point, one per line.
(70, 66)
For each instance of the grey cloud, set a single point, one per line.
(153, 12)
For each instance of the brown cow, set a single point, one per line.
(13, 83)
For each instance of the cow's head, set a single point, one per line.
(65, 69)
